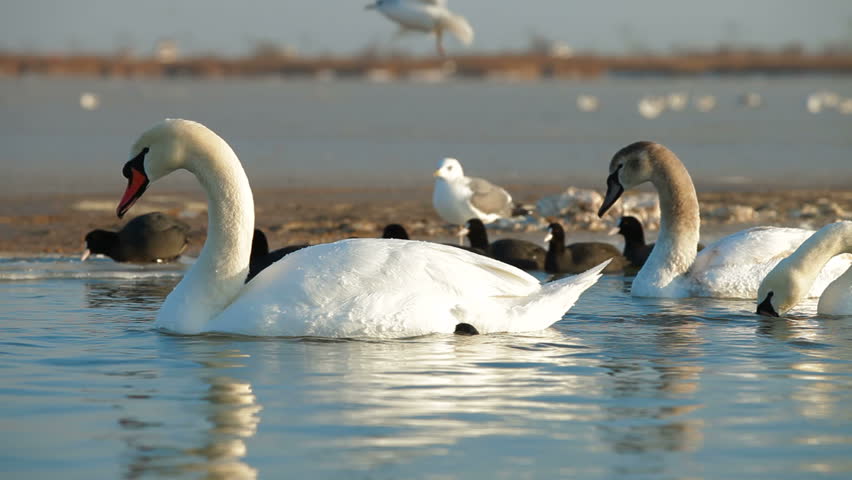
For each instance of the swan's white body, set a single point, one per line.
(732, 267)
(429, 16)
(836, 299)
(458, 198)
(352, 288)
(822, 258)
(393, 288)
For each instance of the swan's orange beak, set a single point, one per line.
(137, 182)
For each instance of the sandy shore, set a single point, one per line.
(57, 223)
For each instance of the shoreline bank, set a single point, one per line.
(56, 224)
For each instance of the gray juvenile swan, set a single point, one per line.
(789, 282)
(729, 268)
(379, 288)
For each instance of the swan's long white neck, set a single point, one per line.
(680, 226)
(809, 259)
(219, 273)
(821, 247)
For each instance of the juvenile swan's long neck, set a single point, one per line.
(217, 277)
(680, 225)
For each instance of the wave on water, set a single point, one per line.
(65, 267)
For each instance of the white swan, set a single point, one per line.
(352, 288)
(789, 282)
(729, 268)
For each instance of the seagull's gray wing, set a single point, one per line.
(490, 198)
(437, 3)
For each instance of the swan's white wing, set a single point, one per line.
(755, 245)
(734, 266)
(837, 297)
(374, 288)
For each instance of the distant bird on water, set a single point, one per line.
(151, 238)
(572, 258)
(261, 257)
(635, 249)
(395, 230)
(518, 253)
(428, 16)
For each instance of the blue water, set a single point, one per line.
(620, 388)
(293, 133)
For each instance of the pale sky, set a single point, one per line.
(343, 26)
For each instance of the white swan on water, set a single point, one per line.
(352, 288)
(790, 281)
(732, 267)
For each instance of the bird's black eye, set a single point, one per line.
(136, 162)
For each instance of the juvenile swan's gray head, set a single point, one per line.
(629, 167)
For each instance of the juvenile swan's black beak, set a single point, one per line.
(766, 308)
(613, 192)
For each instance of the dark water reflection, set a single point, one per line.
(143, 294)
(620, 388)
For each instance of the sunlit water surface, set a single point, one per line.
(295, 133)
(619, 388)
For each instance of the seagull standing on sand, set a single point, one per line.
(429, 16)
(457, 198)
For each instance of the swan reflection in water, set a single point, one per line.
(651, 398)
(815, 397)
(424, 397)
(231, 412)
(368, 405)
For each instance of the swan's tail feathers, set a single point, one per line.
(459, 27)
(554, 299)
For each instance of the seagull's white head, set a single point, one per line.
(449, 169)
